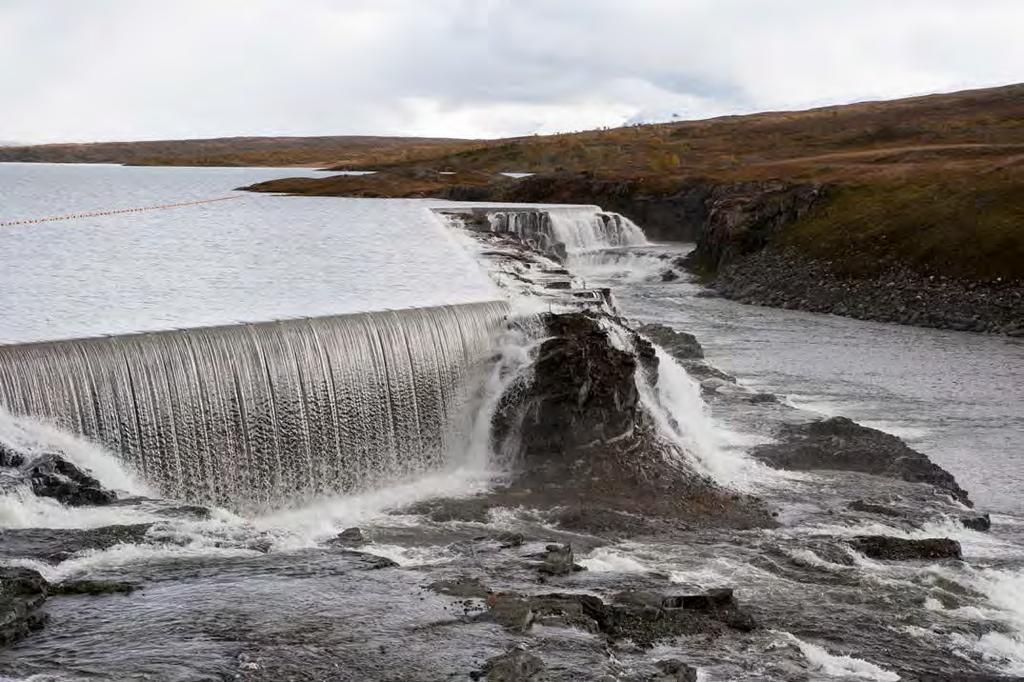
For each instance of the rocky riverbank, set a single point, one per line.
(785, 278)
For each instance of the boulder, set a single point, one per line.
(53, 476)
(901, 549)
(350, 537)
(54, 545)
(463, 586)
(675, 670)
(646, 618)
(680, 345)
(22, 593)
(873, 508)
(9, 458)
(93, 587)
(515, 665)
(557, 560)
(841, 444)
(981, 522)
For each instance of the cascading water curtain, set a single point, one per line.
(250, 415)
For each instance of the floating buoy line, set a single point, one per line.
(118, 211)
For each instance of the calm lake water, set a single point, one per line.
(253, 258)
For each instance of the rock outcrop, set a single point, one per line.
(742, 218)
(582, 440)
(646, 618)
(22, 593)
(843, 445)
(52, 475)
(902, 549)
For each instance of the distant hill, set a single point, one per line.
(236, 151)
(933, 183)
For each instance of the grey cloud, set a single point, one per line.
(132, 69)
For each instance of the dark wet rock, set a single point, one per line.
(187, 511)
(873, 508)
(54, 545)
(9, 458)
(441, 510)
(702, 371)
(643, 617)
(582, 439)
(510, 611)
(605, 522)
(841, 444)
(763, 398)
(557, 560)
(350, 537)
(680, 345)
(93, 587)
(981, 522)
(510, 539)
(675, 670)
(462, 586)
(368, 561)
(669, 276)
(831, 552)
(902, 549)
(50, 475)
(515, 665)
(583, 391)
(22, 593)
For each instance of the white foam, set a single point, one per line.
(609, 560)
(412, 556)
(20, 508)
(35, 436)
(128, 554)
(682, 418)
(312, 523)
(840, 666)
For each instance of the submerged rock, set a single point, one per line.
(646, 618)
(841, 444)
(873, 508)
(93, 587)
(350, 537)
(981, 522)
(515, 665)
(22, 593)
(605, 522)
(675, 670)
(463, 586)
(680, 345)
(902, 549)
(558, 560)
(54, 545)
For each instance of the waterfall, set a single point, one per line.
(578, 228)
(587, 228)
(255, 414)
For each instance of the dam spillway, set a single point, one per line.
(253, 414)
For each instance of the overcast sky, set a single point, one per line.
(152, 69)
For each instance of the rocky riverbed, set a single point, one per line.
(612, 540)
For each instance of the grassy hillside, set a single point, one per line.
(240, 151)
(935, 182)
